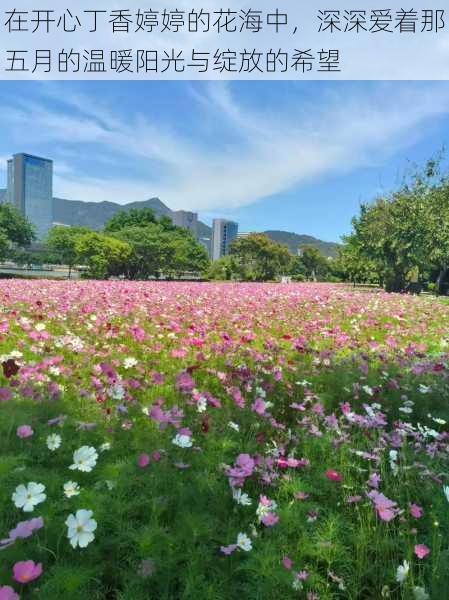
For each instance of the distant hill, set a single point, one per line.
(294, 240)
(95, 214)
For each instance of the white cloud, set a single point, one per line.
(257, 152)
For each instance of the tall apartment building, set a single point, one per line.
(186, 219)
(223, 233)
(30, 189)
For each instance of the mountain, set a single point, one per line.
(95, 215)
(294, 240)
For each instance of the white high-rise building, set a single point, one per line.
(186, 219)
(223, 233)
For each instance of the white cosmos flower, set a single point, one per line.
(419, 593)
(446, 491)
(233, 426)
(243, 542)
(130, 362)
(183, 441)
(29, 496)
(201, 405)
(84, 459)
(402, 572)
(80, 528)
(53, 441)
(241, 498)
(105, 446)
(71, 488)
(424, 389)
(117, 392)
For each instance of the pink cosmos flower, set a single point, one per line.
(333, 475)
(270, 519)
(353, 499)
(287, 562)
(385, 508)
(26, 570)
(156, 455)
(7, 593)
(416, 511)
(421, 550)
(24, 431)
(143, 460)
(228, 549)
(301, 495)
(258, 406)
(25, 529)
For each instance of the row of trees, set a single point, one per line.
(258, 258)
(138, 245)
(403, 236)
(135, 244)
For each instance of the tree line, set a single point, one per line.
(400, 237)
(403, 236)
(136, 244)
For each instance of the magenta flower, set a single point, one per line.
(7, 593)
(22, 530)
(156, 455)
(333, 475)
(26, 571)
(287, 562)
(353, 499)
(421, 551)
(228, 549)
(24, 431)
(385, 508)
(270, 519)
(143, 460)
(258, 406)
(5, 394)
(416, 511)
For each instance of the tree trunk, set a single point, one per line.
(440, 279)
(395, 283)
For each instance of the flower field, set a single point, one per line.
(222, 441)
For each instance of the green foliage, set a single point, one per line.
(161, 248)
(405, 231)
(136, 217)
(227, 268)
(62, 242)
(316, 266)
(101, 254)
(14, 227)
(262, 257)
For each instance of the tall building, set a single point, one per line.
(223, 233)
(30, 189)
(186, 219)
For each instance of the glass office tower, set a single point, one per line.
(30, 189)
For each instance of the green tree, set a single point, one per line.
(188, 254)
(15, 226)
(151, 252)
(225, 268)
(315, 264)
(62, 242)
(103, 255)
(263, 257)
(135, 217)
(4, 245)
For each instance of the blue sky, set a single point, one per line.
(298, 156)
